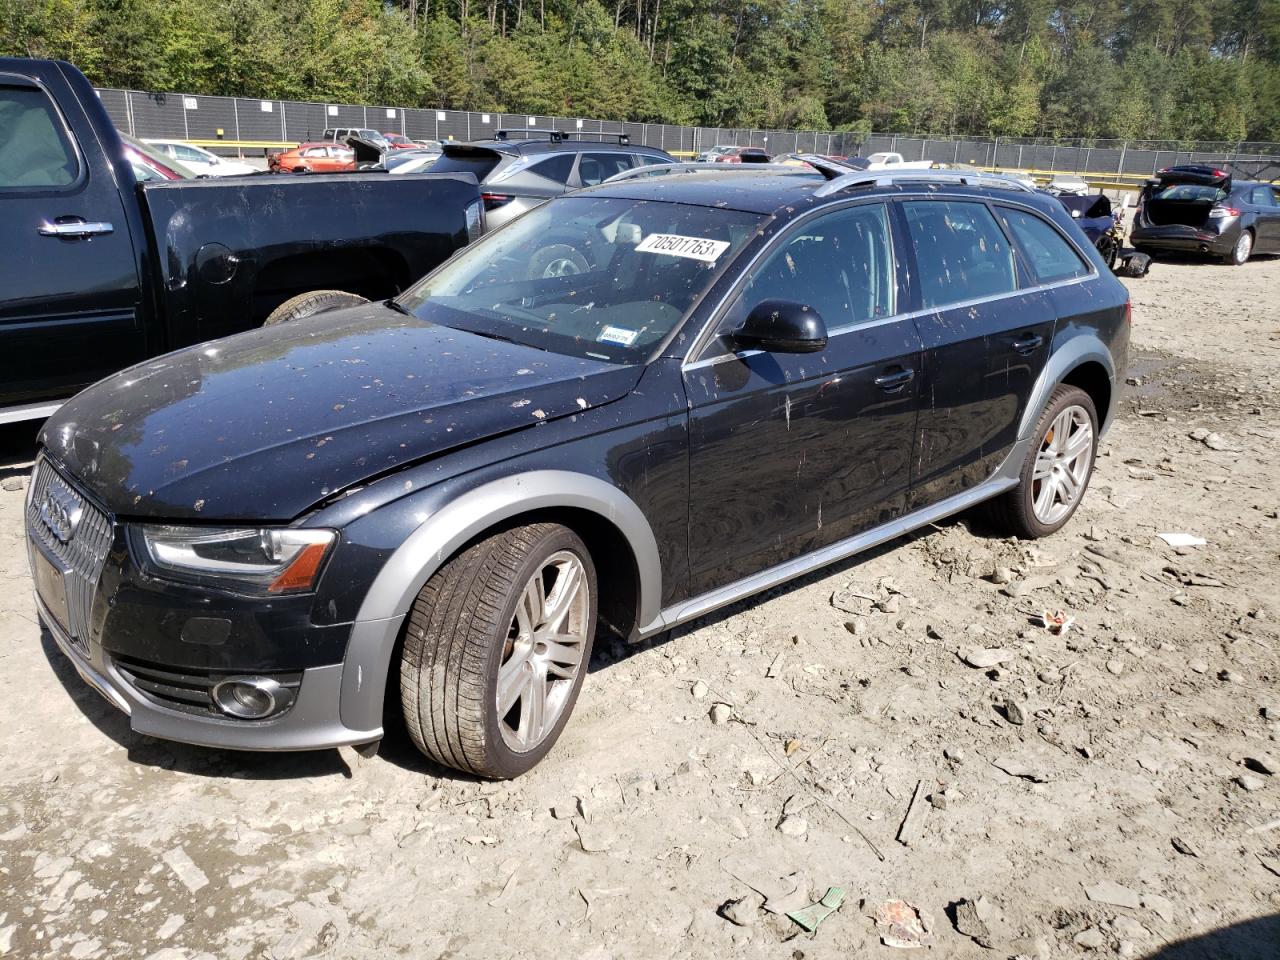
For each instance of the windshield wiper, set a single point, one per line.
(399, 307)
(505, 339)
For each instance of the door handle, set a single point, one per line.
(74, 229)
(893, 382)
(1028, 345)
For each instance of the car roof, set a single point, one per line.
(773, 192)
(516, 145)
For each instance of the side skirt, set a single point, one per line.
(1004, 479)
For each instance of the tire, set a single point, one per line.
(557, 260)
(1017, 510)
(1138, 265)
(468, 630)
(1243, 249)
(310, 303)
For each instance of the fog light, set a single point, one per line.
(251, 698)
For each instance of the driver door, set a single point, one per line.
(792, 452)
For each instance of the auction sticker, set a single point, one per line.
(618, 335)
(674, 245)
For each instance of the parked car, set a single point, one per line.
(112, 256)
(398, 141)
(742, 155)
(1067, 183)
(1104, 226)
(1019, 176)
(149, 164)
(313, 158)
(887, 159)
(522, 169)
(200, 161)
(441, 499)
(343, 134)
(1203, 209)
(709, 156)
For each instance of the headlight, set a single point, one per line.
(262, 561)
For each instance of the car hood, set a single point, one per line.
(263, 425)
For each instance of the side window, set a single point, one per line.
(961, 253)
(314, 152)
(595, 168)
(1048, 254)
(646, 160)
(33, 151)
(1263, 197)
(186, 153)
(840, 264)
(556, 169)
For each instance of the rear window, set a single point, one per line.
(33, 151)
(1190, 191)
(555, 169)
(1050, 257)
(961, 252)
(473, 160)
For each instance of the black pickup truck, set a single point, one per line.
(98, 271)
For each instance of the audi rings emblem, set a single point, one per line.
(61, 511)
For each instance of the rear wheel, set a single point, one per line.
(310, 303)
(496, 649)
(1056, 472)
(1243, 249)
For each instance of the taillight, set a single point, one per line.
(1217, 213)
(492, 201)
(475, 220)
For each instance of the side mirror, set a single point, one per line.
(782, 326)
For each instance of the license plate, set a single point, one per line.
(51, 588)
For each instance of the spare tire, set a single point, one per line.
(310, 303)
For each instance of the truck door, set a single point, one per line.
(69, 288)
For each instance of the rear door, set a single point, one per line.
(69, 287)
(791, 452)
(985, 337)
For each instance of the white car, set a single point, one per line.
(1067, 183)
(201, 162)
(893, 161)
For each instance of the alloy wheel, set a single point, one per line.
(1062, 465)
(1244, 246)
(543, 652)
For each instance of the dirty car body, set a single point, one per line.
(700, 449)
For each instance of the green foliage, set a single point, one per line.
(1149, 69)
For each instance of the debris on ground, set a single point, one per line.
(971, 920)
(811, 917)
(1114, 894)
(1057, 622)
(741, 912)
(903, 925)
(912, 827)
(1182, 539)
(986, 658)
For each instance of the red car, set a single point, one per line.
(398, 141)
(743, 155)
(313, 158)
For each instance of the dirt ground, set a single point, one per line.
(1108, 792)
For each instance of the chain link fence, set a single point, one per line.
(249, 127)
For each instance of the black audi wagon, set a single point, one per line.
(438, 502)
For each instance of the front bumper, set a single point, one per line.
(314, 721)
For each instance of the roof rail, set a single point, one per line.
(624, 139)
(884, 178)
(666, 169)
(555, 136)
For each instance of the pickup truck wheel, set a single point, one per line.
(1056, 472)
(310, 303)
(496, 648)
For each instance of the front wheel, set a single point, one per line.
(310, 303)
(1056, 472)
(496, 648)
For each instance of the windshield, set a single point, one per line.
(586, 276)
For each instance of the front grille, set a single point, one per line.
(190, 690)
(82, 554)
